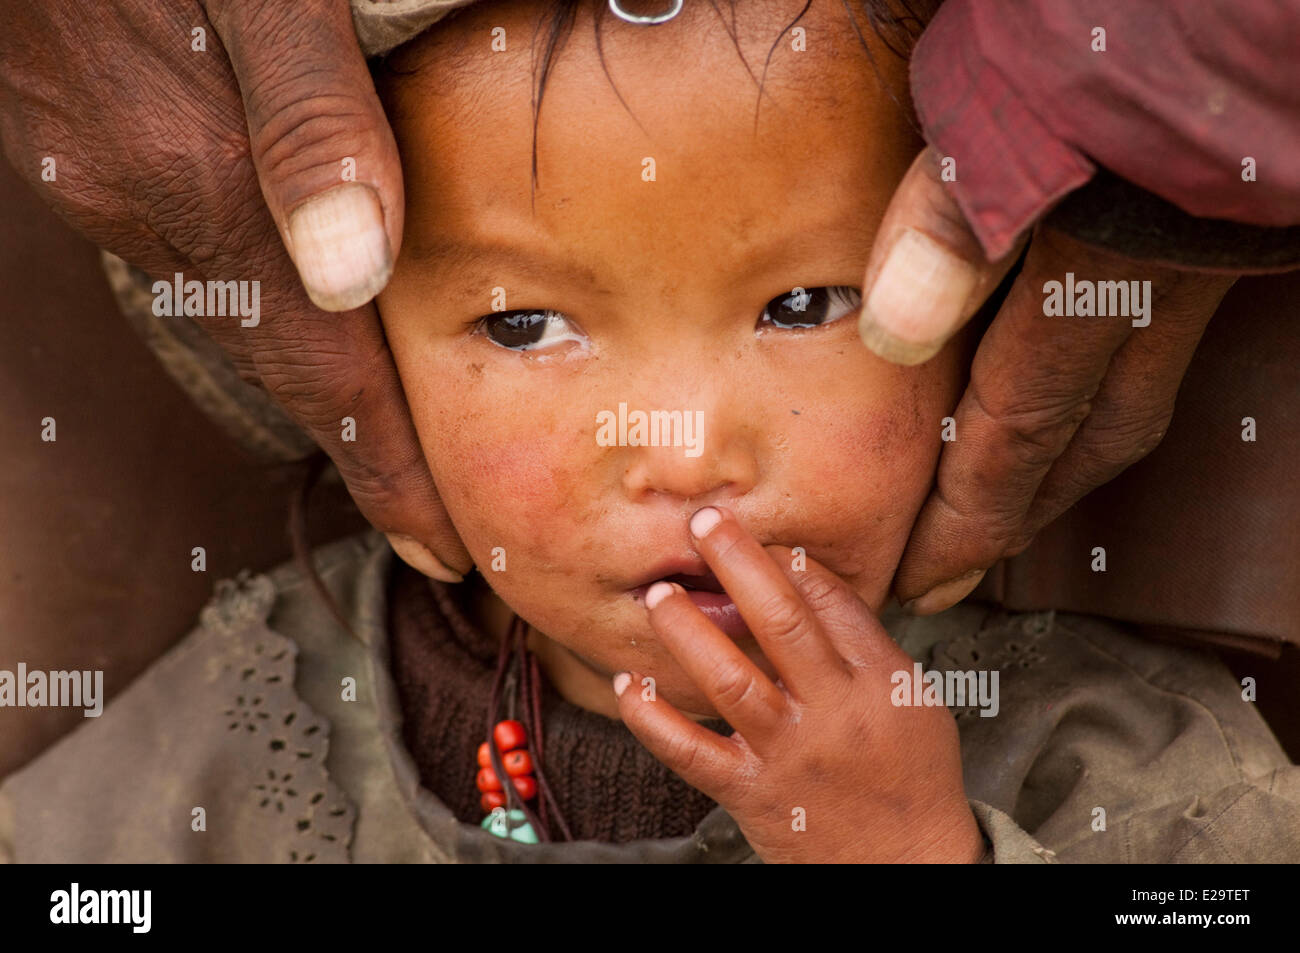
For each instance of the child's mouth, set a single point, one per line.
(711, 599)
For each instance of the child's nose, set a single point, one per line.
(701, 465)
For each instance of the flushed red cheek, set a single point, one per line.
(856, 474)
(877, 447)
(518, 472)
(524, 491)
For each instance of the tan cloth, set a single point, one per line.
(247, 719)
(384, 24)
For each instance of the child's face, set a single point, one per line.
(660, 293)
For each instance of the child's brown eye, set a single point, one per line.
(809, 308)
(526, 330)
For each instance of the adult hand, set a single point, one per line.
(1055, 407)
(137, 121)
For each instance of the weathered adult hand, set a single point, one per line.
(207, 138)
(1057, 404)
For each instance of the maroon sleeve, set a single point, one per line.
(1184, 92)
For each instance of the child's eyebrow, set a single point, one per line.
(491, 255)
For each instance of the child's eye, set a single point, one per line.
(527, 330)
(809, 308)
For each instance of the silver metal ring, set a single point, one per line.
(646, 21)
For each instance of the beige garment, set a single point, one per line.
(383, 25)
(247, 719)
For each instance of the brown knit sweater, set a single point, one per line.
(608, 786)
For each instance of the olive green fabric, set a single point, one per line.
(250, 718)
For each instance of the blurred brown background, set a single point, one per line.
(97, 528)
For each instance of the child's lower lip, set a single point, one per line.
(717, 608)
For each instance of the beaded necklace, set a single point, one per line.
(513, 751)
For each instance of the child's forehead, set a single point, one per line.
(825, 142)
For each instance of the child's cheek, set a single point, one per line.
(858, 469)
(517, 485)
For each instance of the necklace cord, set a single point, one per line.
(527, 684)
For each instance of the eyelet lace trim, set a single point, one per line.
(1016, 643)
(310, 817)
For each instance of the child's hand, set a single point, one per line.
(822, 766)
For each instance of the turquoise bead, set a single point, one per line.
(511, 826)
(524, 834)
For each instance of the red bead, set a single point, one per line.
(491, 800)
(509, 735)
(517, 763)
(485, 755)
(526, 787)
(487, 780)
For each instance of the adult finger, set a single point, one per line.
(1132, 410)
(335, 375)
(329, 172)
(927, 274)
(151, 145)
(1032, 382)
(324, 153)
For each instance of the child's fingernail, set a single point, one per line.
(621, 681)
(704, 520)
(946, 594)
(917, 301)
(657, 593)
(340, 246)
(418, 556)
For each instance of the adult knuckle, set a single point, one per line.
(374, 491)
(985, 524)
(309, 129)
(1019, 541)
(942, 217)
(314, 378)
(1127, 437)
(1037, 426)
(207, 208)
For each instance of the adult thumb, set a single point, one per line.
(320, 141)
(927, 274)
